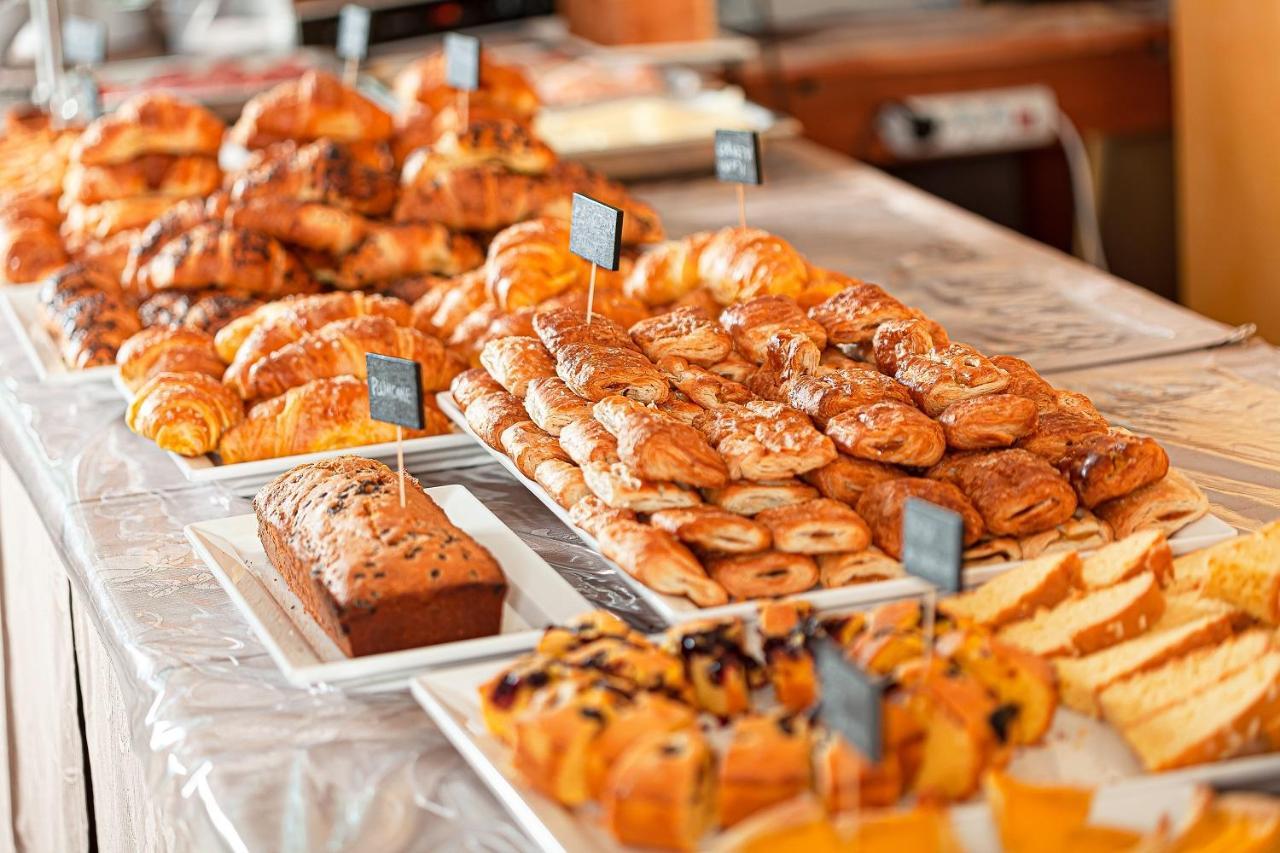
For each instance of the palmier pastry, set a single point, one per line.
(552, 406)
(167, 349)
(1057, 431)
(87, 315)
(717, 664)
(818, 526)
(530, 262)
(766, 441)
(767, 574)
(881, 506)
(685, 333)
(942, 377)
(595, 372)
(897, 339)
(853, 315)
(592, 514)
(706, 389)
(159, 174)
(311, 225)
(563, 481)
(657, 560)
(753, 322)
(846, 478)
(1084, 531)
(322, 172)
(1016, 492)
(865, 566)
(991, 421)
(748, 498)
(529, 447)
(619, 486)
(588, 443)
(668, 271)
(738, 264)
(490, 414)
(657, 447)
(1105, 467)
(211, 254)
(1168, 504)
(563, 326)
(471, 384)
(766, 762)
(395, 251)
(149, 123)
(184, 413)
(507, 144)
(712, 529)
(315, 106)
(517, 361)
(660, 792)
(889, 432)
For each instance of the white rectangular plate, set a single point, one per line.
(537, 596)
(671, 608)
(21, 307)
(1076, 751)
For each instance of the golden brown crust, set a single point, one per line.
(1082, 532)
(321, 172)
(471, 384)
(311, 225)
(747, 498)
(86, 224)
(1057, 431)
(738, 264)
(896, 339)
(881, 506)
(483, 197)
(30, 249)
(686, 333)
(177, 220)
(176, 176)
(713, 530)
(167, 349)
(765, 441)
(846, 478)
(388, 252)
(592, 514)
(706, 389)
(503, 88)
(211, 254)
(1168, 504)
(528, 447)
(889, 432)
(149, 123)
(1105, 467)
(853, 315)
(517, 361)
(657, 447)
(668, 271)
(530, 262)
(640, 222)
(490, 414)
(595, 372)
(1026, 382)
(939, 378)
(464, 295)
(657, 560)
(828, 393)
(753, 322)
(818, 526)
(87, 315)
(506, 144)
(619, 486)
(552, 406)
(560, 327)
(983, 423)
(315, 106)
(587, 442)
(865, 566)
(1016, 492)
(764, 575)
(184, 413)
(563, 481)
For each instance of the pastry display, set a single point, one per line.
(315, 106)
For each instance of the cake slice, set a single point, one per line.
(1091, 621)
(1081, 679)
(1223, 721)
(1018, 593)
(1145, 551)
(1183, 607)
(1246, 572)
(1133, 699)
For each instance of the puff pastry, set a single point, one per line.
(180, 176)
(595, 372)
(846, 478)
(761, 440)
(667, 271)
(853, 315)
(684, 333)
(490, 414)
(390, 251)
(322, 172)
(609, 303)
(314, 106)
(1082, 532)
(1169, 504)
(588, 443)
(828, 393)
(311, 225)
(149, 123)
(789, 354)
(552, 406)
(592, 514)
(941, 377)
(818, 526)
(470, 385)
(464, 294)
(991, 421)
(166, 349)
(560, 327)
(528, 447)
(765, 575)
(680, 407)
(1105, 467)
(530, 262)
(714, 530)
(517, 361)
(1057, 431)
(865, 566)
(658, 447)
(563, 481)
(618, 486)
(1016, 492)
(746, 498)
(705, 388)
(735, 368)
(753, 322)
(737, 264)
(184, 413)
(211, 254)
(993, 550)
(881, 506)
(897, 339)
(657, 560)
(889, 432)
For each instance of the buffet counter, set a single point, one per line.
(191, 738)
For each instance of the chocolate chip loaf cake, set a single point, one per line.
(376, 576)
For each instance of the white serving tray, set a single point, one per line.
(1077, 750)
(672, 609)
(21, 307)
(537, 596)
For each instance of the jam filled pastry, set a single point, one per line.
(985, 423)
(686, 333)
(765, 763)
(853, 315)
(749, 498)
(1105, 467)
(560, 327)
(517, 361)
(717, 664)
(762, 440)
(753, 322)
(656, 559)
(939, 378)
(1016, 492)
(738, 264)
(660, 793)
(657, 447)
(713, 530)
(785, 629)
(765, 575)
(705, 388)
(595, 372)
(847, 478)
(471, 384)
(865, 566)
(1024, 381)
(881, 506)
(819, 526)
(898, 339)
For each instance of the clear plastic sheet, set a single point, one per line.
(239, 760)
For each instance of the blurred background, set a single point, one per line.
(1135, 134)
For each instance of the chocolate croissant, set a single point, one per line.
(1016, 492)
(895, 340)
(552, 406)
(516, 362)
(167, 349)
(595, 372)
(1102, 468)
(881, 506)
(945, 376)
(762, 440)
(213, 254)
(987, 422)
(686, 333)
(558, 327)
(184, 413)
(470, 385)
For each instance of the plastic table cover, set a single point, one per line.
(237, 759)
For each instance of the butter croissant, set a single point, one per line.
(317, 105)
(740, 263)
(149, 123)
(212, 254)
(530, 263)
(312, 225)
(322, 172)
(185, 413)
(397, 251)
(162, 349)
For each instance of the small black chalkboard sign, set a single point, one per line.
(595, 232)
(462, 61)
(738, 157)
(933, 544)
(84, 41)
(353, 32)
(395, 390)
(851, 699)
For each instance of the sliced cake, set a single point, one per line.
(1183, 607)
(1089, 622)
(1145, 551)
(1018, 593)
(1246, 572)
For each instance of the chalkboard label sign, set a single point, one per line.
(395, 390)
(933, 544)
(84, 41)
(595, 232)
(851, 699)
(462, 61)
(738, 156)
(353, 32)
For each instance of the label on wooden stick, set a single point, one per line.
(353, 32)
(395, 390)
(595, 232)
(851, 699)
(933, 544)
(462, 61)
(738, 157)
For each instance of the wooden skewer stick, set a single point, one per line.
(591, 292)
(351, 71)
(400, 460)
(742, 205)
(464, 110)
(930, 605)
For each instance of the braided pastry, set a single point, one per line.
(184, 413)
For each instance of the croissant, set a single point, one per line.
(485, 197)
(315, 106)
(507, 144)
(502, 88)
(154, 122)
(231, 337)
(213, 254)
(86, 223)
(529, 263)
(30, 249)
(853, 315)
(167, 349)
(87, 315)
(609, 302)
(657, 447)
(465, 294)
(184, 413)
(395, 251)
(1016, 492)
(640, 222)
(327, 414)
(668, 271)
(324, 172)
(181, 217)
(754, 322)
(312, 225)
(207, 311)
(176, 176)
(738, 264)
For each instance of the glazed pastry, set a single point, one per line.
(764, 575)
(765, 441)
(1105, 467)
(865, 566)
(588, 443)
(895, 340)
(503, 88)
(395, 251)
(818, 526)
(747, 498)
(716, 663)
(668, 271)
(560, 327)
(149, 123)
(766, 762)
(210, 254)
(490, 414)
(529, 447)
(881, 506)
(166, 349)
(311, 225)
(939, 378)
(322, 172)
(1082, 532)
(470, 385)
(1168, 504)
(681, 408)
(846, 478)
(1057, 431)
(326, 414)
(991, 421)
(517, 361)
(87, 315)
(660, 792)
(753, 322)
(1015, 491)
(507, 144)
(619, 486)
(30, 249)
(853, 315)
(552, 406)
(657, 447)
(314, 106)
(785, 629)
(563, 481)
(340, 349)
(704, 388)
(595, 372)
(465, 295)
(184, 413)
(484, 197)
(176, 176)
(685, 333)
(592, 514)
(738, 264)
(714, 530)
(657, 560)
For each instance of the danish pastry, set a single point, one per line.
(184, 413)
(588, 443)
(746, 498)
(529, 447)
(889, 432)
(552, 406)
(818, 526)
(685, 333)
(846, 478)
(895, 340)
(753, 322)
(706, 389)
(881, 506)
(765, 441)
(1105, 467)
(596, 372)
(942, 377)
(1057, 431)
(853, 315)
(657, 447)
(991, 421)
(714, 530)
(592, 514)
(517, 361)
(490, 414)
(768, 574)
